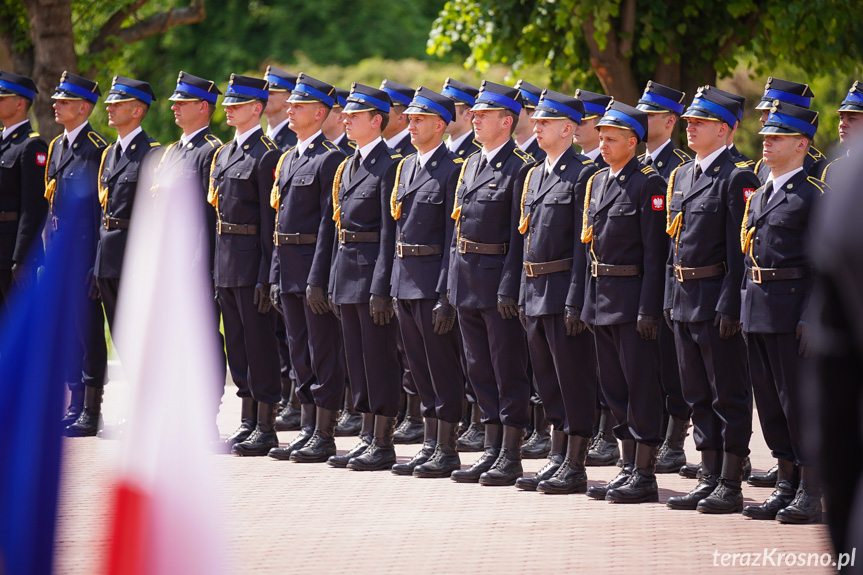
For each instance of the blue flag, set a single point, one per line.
(37, 346)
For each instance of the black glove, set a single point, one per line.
(92, 286)
(443, 315)
(572, 320)
(381, 308)
(335, 309)
(727, 326)
(507, 307)
(647, 327)
(262, 298)
(803, 334)
(21, 276)
(317, 300)
(276, 296)
(666, 313)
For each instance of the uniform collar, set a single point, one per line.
(453, 144)
(424, 158)
(271, 132)
(489, 156)
(72, 135)
(397, 139)
(241, 138)
(527, 142)
(780, 181)
(549, 166)
(593, 154)
(708, 161)
(302, 146)
(655, 153)
(124, 142)
(8, 130)
(185, 139)
(367, 149)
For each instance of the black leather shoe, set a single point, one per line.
(493, 443)
(307, 429)
(710, 464)
(76, 406)
(628, 456)
(727, 497)
(445, 458)
(366, 435)
(429, 443)
(641, 487)
(321, 445)
(556, 456)
(671, 455)
(604, 450)
(248, 421)
(507, 468)
(767, 479)
(571, 476)
(806, 505)
(289, 419)
(538, 444)
(410, 430)
(381, 454)
(474, 438)
(349, 424)
(787, 484)
(690, 471)
(263, 438)
(89, 422)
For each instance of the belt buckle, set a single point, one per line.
(678, 273)
(756, 275)
(341, 236)
(462, 246)
(54, 222)
(276, 238)
(594, 269)
(219, 227)
(528, 270)
(399, 249)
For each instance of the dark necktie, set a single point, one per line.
(355, 164)
(64, 146)
(765, 195)
(648, 161)
(118, 152)
(602, 190)
(482, 163)
(295, 157)
(416, 171)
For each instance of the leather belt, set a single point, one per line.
(597, 270)
(469, 247)
(760, 275)
(8, 216)
(115, 223)
(293, 239)
(347, 236)
(403, 249)
(682, 274)
(236, 229)
(532, 269)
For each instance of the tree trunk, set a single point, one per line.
(613, 64)
(53, 53)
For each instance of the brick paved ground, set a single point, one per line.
(284, 517)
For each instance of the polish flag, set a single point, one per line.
(165, 516)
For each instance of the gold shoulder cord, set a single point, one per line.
(396, 207)
(524, 222)
(672, 228)
(274, 191)
(456, 208)
(154, 189)
(50, 186)
(212, 193)
(337, 182)
(103, 190)
(746, 235)
(587, 232)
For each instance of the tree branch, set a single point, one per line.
(750, 25)
(112, 26)
(627, 27)
(160, 23)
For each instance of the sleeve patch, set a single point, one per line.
(747, 193)
(41, 159)
(658, 203)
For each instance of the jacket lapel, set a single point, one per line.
(706, 177)
(614, 187)
(425, 173)
(488, 171)
(779, 194)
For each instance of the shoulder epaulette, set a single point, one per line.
(525, 157)
(457, 161)
(97, 140)
(269, 143)
(214, 141)
(329, 145)
(395, 156)
(815, 153)
(587, 161)
(352, 144)
(682, 155)
(34, 134)
(155, 144)
(744, 164)
(641, 157)
(758, 165)
(647, 170)
(818, 184)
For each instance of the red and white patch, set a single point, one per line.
(747, 193)
(41, 159)
(658, 203)
(274, 173)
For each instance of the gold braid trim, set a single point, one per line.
(103, 190)
(274, 191)
(587, 232)
(50, 186)
(746, 235)
(396, 207)
(456, 208)
(154, 189)
(337, 182)
(524, 222)
(672, 228)
(212, 193)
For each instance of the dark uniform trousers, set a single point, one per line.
(704, 211)
(771, 309)
(23, 156)
(360, 269)
(242, 178)
(626, 223)
(424, 197)
(75, 172)
(488, 209)
(564, 367)
(122, 174)
(305, 183)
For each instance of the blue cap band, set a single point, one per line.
(328, 100)
(342, 101)
(247, 91)
(795, 123)
(664, 102)
(508, 103)
(562, 108)
(375, 102)
(594, 109)
(629, 121)
(726, 116)
(459, 95)
(78, 90)
(279, 82)
(786, 97)
(195, 91)
(397, 97)
(855, 96)
(530, 97)
(18, 89)
(143, 96)
(442, 112)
